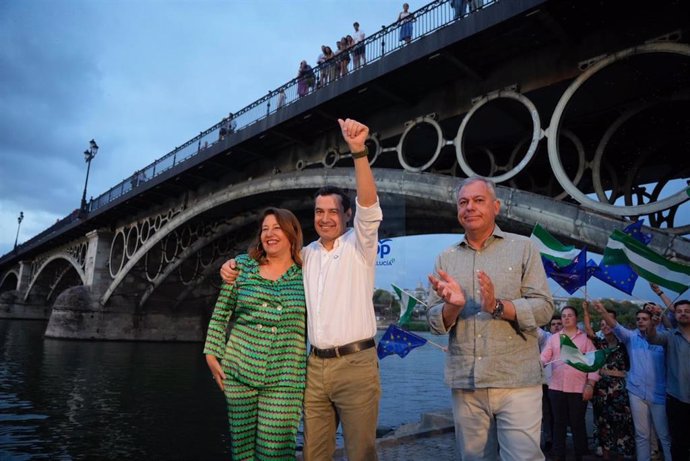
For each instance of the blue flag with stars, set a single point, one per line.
(622, 276)
(635, 231)
(398, 341)
(574, 275)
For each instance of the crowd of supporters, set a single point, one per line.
(640, 397)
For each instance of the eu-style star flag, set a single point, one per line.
(635, 231)
(398, 341)
(572, 276)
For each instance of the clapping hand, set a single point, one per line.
(487, 292)
(447, 288)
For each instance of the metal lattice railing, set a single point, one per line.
(427, 20)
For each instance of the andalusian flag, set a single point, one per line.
(588, 363)
(407, 304)
(552, 249)
(624, 249)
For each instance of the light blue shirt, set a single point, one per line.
(647, 376)
(677, 363)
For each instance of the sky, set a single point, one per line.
(144, 76)
(140, 77)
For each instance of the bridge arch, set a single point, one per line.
(9, 281)
(679, 49)
(66, 264)
(521, 209)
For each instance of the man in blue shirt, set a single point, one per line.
(646, 382)
(677, 344)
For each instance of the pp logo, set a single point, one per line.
(384, 250)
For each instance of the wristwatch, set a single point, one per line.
(498, 310)
(361, 154)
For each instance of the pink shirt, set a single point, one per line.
(565, 378)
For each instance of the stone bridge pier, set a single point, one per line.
(103, 286)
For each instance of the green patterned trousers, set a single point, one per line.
(263, 421)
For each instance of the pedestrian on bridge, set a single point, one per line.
(343, 384)
(406, 18)
(490, 294)
(263, 362)
(358, 51)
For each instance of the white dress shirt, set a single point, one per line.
(339, 284)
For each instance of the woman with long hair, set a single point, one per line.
(611, 405)
(261, 364)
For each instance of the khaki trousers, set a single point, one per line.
(343, 390)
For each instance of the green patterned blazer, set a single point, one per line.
(266, 346)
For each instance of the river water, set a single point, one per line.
(84, 400)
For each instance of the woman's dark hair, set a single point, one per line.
(291, 228)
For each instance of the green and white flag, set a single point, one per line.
(589, 362)
(651, 266)
(407, 304)
(551, 248)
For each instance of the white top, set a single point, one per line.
(359, 36)
(339, 284)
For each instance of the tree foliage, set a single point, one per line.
(625, 311)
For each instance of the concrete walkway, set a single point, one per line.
(432, 438)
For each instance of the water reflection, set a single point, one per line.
(72, 400)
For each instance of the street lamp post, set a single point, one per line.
(20, 218)
(89, 154)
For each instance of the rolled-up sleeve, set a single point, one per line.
(535, 307)
(435, 319)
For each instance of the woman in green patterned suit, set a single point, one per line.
(262, 364)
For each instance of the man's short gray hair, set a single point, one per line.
(472, 179)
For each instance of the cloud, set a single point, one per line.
(48, 71)
(140, 77)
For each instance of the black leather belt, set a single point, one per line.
(347, 349)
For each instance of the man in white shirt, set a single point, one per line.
(343, 384)
(359, 48)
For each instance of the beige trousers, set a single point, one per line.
(488, 418)
(343, 390)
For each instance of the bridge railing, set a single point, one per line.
(427, 20)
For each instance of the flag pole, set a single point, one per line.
(444, 349)
(411, 296)
(584, 292)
